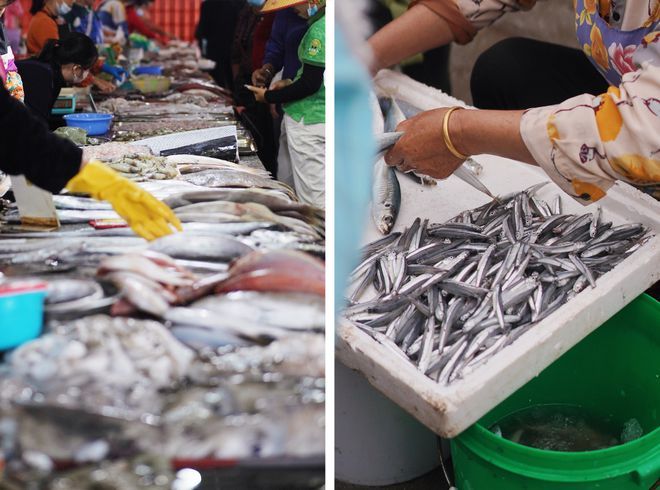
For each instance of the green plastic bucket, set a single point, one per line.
(614, 372)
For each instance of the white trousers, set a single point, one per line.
(301, 160)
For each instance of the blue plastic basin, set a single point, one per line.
(21, 312)
(148, 70)
(95, 124)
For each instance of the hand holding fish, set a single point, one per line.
(422, 147)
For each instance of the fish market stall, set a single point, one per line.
(465, 298)
(200, 351)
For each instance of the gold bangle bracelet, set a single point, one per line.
(445, 135)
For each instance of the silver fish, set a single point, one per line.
(467, 176)
(235, 178)
(393, 116)
(200, 247)
(386, 141)
(450, 296)
(385, 198)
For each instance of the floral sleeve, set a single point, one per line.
(466, 17)
(588, 142)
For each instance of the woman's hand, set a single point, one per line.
(422, 147)
(262, 76)
(104, 86)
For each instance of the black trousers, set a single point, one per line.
(520, 73)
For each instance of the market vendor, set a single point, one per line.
(48, 23)
(139, 21)
(281, 48)
(302, 142)
(113, 17)
(11, 80)
(537, 97)
(83, 18)
(51, 163)
(62, 62)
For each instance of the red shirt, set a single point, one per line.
(137, 24)
(260, 38)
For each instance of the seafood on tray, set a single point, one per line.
(449, 296)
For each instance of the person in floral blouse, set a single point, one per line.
(588, 117)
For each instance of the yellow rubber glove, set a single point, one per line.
(146, 215)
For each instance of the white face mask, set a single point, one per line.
(63, 8)
(76, 80)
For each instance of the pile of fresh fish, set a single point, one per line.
(231, 365)
(74, 295)
(299, 354)
(270, 293)
(264, 296)
(257, 420)
(282, 270)
(100, 362)
(449, 296)
(144, 167)
(122, 107)
(131, 131)
(122, 382)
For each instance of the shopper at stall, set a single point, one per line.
(83, 18)
(586, 123)
(61, 62)
(281, 48)
(281, 57)
(252, 32)
(46, 23)
(138, 20)
(302, 143)
(11, 80)
(113, 17)
(215, 33)
(12, 20)
(51, 163)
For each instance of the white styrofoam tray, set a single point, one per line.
(448, 410)
(185, 138)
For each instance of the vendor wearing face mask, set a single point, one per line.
(48, 23)
(52, 163)
(61, 62)
(45, 23)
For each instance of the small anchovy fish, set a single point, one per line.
(386, 197)
(467, 176)
(449, 296)
(467, 172)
